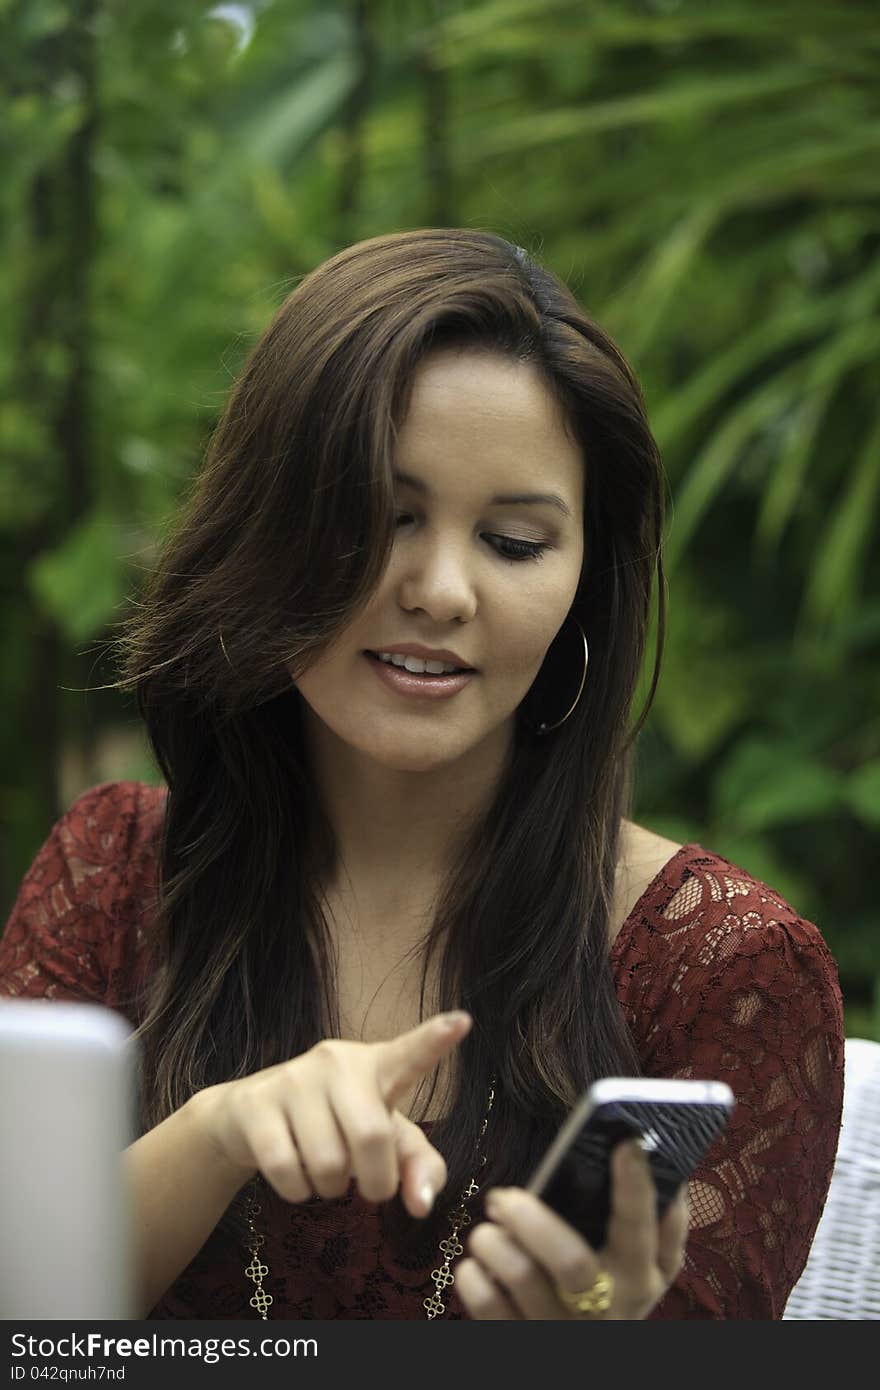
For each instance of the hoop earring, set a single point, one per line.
(539, 729)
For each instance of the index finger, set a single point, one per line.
(402, 1060)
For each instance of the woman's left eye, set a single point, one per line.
(524, 550)
(521, 550)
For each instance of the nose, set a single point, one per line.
(435, 578)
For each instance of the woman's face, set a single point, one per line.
(480, 427)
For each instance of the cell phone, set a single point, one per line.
(676, 1123)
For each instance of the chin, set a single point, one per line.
(418, 760)
(425, 752)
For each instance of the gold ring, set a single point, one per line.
(591, 1302)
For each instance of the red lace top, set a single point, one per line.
(717, 975)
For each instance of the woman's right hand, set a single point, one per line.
(313, 1123)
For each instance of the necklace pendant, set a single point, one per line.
(451, 1247)
(433, 1307)
(262, 1301)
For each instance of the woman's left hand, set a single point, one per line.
(519, 1260)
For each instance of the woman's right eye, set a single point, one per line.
(518, 551)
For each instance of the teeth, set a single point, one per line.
(416, 665)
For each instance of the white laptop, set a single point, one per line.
(67, 1094)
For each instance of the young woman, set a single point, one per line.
(387, 664)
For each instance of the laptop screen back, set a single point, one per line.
(66, 1113)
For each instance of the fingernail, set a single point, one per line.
(426, 1195)
(451, 1020)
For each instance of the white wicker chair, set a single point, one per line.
(841, 1278)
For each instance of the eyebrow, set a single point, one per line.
(501, 499)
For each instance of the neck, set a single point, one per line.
(396, 831)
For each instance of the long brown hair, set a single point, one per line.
(282, 537)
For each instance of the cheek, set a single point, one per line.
(535, 617)
(323, 681)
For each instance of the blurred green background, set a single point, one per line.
(705, 178)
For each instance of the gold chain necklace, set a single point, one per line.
(449, 1248)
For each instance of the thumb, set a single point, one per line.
(402, 1060)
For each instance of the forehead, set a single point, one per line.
(478, 417)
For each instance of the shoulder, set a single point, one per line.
(75, 926)
(110, 836)
(707, 929)
(114, 820)
(113, 817)
(642, 849)
(102, 830)
(101, 854)
(642, 858)
(671, 884)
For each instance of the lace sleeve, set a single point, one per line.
(755, 1002)
(52, 945)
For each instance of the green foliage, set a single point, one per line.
(703, 176)
(764, 783)
(862, 792)
(81, 583)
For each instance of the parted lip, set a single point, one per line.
(426, 653)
